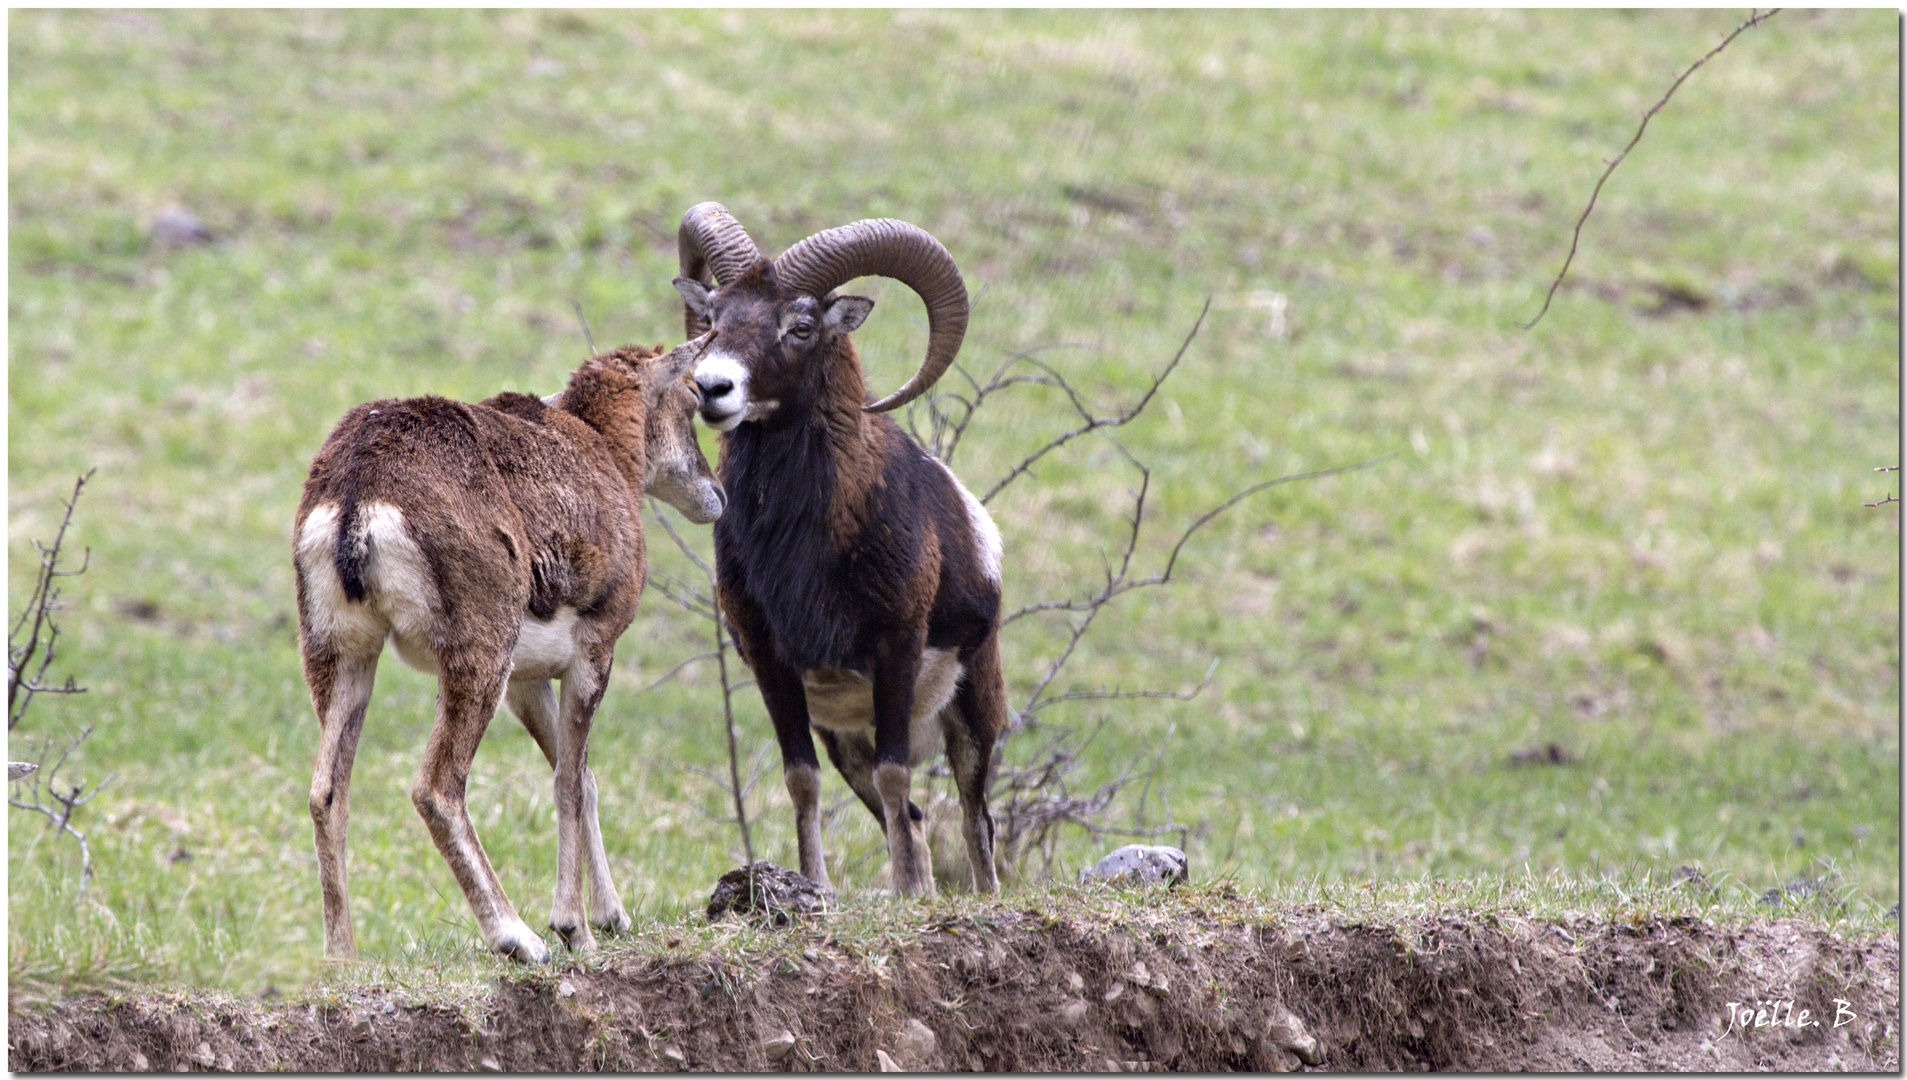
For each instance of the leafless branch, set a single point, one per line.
(32, 644)
(945, 429)
(1119, 583)
(33, 791)
(1885, 499)
(588, 338)
(1093, 420)
(37, 649)
(1755, 18)
(706, 607)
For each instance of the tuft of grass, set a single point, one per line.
(1634, 535)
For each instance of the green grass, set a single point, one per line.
(1638, 537)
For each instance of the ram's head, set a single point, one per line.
(777, 323)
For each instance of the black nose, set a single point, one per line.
(713, 386)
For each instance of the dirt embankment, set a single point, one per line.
(1026, 991)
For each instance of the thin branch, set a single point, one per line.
(697, 658)
(1754, 19)
(588, 338)
(1095, 421)
(42, 639)
(42, 783)
(708, 607)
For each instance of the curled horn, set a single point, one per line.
(711, 240)
(900, 251)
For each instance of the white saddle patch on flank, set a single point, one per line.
(986, 535)
(843, 701)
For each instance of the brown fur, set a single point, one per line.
(456, 529)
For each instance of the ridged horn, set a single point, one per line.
(900, 251)
(711, 240)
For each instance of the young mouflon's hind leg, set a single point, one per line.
(972, 725)
(575, 805)
(468, 690)
(534, 703)
(340, 690)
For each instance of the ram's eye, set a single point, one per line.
(802, 330)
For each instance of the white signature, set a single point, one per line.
(1781, 1013)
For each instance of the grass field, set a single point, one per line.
(1635, 533)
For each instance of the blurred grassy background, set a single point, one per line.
(1635, 534)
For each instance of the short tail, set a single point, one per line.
(351, 552)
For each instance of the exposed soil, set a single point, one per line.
(1029, 991)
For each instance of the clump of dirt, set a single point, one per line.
(766, 890)
(1199, 988)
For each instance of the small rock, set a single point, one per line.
(225, 1063)
(779, 1046)
(886, 1063)
(202, 1055)
(139, 1062)
(1074, 1011)
(1287, 1032)
(767, 890)
(1074, 982)
(565, 988)
(914, 1046)
(489, 1064)
(1117, 989)
(674, 1055)
(178, 227)
(360, 1026)
(1139, 864)
(1138, 975)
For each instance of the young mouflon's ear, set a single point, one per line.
(695, 295)
(664, 370)
(847, 313)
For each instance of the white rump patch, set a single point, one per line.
(400, 597)
(843, 701)
(986, 535)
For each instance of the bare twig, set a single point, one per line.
(42, 631)
(43, 783)
(1755, 18)
(1118, 583)
(1885, 499)
(32, 644)
(588, 338)
(707, 607)
(1093, 421)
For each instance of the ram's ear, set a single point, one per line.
(695, 295)
(847, 313)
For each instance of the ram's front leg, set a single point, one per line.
(895, 669)
(787, 702)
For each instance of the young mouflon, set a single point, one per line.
(498, 546)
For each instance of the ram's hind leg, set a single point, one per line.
(972, 724)
(340, 690)
(468, 690)
(534, 703)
